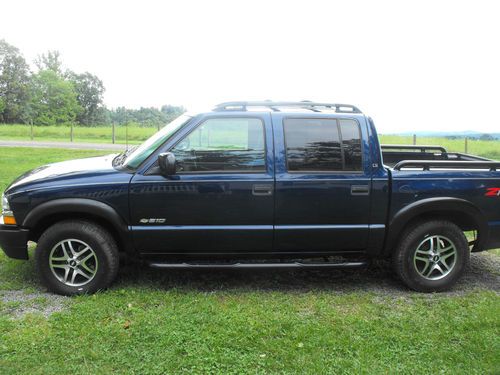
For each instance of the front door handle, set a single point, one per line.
(262, 189)
(360, 190)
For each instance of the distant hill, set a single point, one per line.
(451, 135)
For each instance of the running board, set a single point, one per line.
(340, 265)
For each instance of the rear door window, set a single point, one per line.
(322, 145)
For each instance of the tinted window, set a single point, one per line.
(351, 145)
(312, 145)
(322, 145)
(223, 144)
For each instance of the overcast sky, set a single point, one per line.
(411, 65)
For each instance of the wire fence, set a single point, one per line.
(135, 134)
(113, 133)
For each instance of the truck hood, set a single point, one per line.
(71, 170)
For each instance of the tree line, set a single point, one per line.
(51, 95)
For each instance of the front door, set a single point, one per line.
(222, 196)
(323, 183)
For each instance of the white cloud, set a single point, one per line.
(426, 65)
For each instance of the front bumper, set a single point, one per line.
(14, 241)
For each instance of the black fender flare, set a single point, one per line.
(89, 207)
(433, 205)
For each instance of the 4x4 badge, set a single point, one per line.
(493, 192)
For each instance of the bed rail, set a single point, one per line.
(426, 165)
(414, 148)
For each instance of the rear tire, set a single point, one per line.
(431, 256)
(76, 257)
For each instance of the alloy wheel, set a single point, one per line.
(73, 262)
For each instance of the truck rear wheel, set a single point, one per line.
(431, 256)
(76, 257)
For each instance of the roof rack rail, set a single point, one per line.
(242, 106)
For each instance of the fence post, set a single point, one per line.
(158, 126)
(71, 133)
(466, 145)
(113, 132)
(31, 129)
(126, 135)
(414, 139)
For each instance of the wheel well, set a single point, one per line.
(464, 221)
(52, 219)
(460, 219)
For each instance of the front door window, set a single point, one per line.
(223, 145)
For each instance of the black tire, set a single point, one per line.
(414, 272)
(103, 257)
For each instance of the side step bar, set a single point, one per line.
(340, 265)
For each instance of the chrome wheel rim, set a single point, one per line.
(435, 257)
(73, 262)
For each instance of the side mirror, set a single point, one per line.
(166, 162)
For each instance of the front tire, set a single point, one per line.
(431, 256)
(76, 257)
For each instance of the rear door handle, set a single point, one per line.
(360, 190)
(262, 189)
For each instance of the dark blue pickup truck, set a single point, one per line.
(257, 184)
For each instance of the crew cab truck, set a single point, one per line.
(257, 184)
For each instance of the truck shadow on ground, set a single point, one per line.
(483, 273)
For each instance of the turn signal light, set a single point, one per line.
(9, 220)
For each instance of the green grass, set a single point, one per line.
(17, 160)
(101, 134)
(153, 322)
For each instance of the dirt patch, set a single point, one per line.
(18, 303)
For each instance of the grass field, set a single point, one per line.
(101, 134)
(489, 149)
(279, 322)
(136, 134)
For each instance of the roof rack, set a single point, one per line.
(306, 104)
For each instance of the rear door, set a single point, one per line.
(323, 183)
(221, 199)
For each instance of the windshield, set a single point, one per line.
(136, 157)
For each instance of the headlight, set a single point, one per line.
(7, 214)
(5, 205)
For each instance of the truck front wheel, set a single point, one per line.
(76, 257)
(431, 256)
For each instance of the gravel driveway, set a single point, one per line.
(483, 274)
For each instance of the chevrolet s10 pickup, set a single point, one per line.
(257, 185)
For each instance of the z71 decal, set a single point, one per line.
(493, 192)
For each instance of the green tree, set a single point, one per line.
(14, 84)
(50, 61)
(89, 91)
(54, 100)
(171, 112)
(487, 137)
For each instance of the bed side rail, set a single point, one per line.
(421, 148)
(426, 165)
